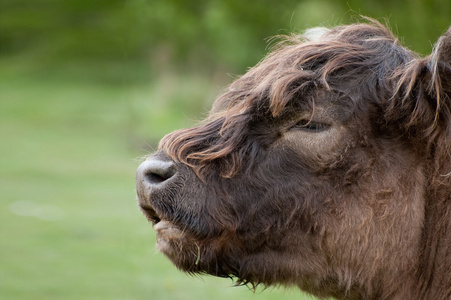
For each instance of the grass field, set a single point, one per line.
(69, 224)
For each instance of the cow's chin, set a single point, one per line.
(168, 236)
(176, 244)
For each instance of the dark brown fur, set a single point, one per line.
(326, 166)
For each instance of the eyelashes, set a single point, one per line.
(311, 126)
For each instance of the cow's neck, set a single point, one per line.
(434, 272)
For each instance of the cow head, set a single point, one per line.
(314, 169)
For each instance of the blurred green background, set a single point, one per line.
(87, 88)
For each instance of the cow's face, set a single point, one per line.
(312, 182)
(300, 175)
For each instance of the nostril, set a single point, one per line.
(154, 178)
(155, 171)
(158, 175)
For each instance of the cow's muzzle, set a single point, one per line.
(153, 177)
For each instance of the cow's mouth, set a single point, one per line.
(150, 214)
(166, 230)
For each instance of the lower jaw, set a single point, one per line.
(164, 246)
(167, 236)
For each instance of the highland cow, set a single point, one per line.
(327, 166)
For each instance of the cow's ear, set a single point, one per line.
(439, 66)
(422, 101)
(438, 94)
(440, 86)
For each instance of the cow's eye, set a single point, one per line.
(309, 125)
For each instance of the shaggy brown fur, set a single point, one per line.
(326, 166)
